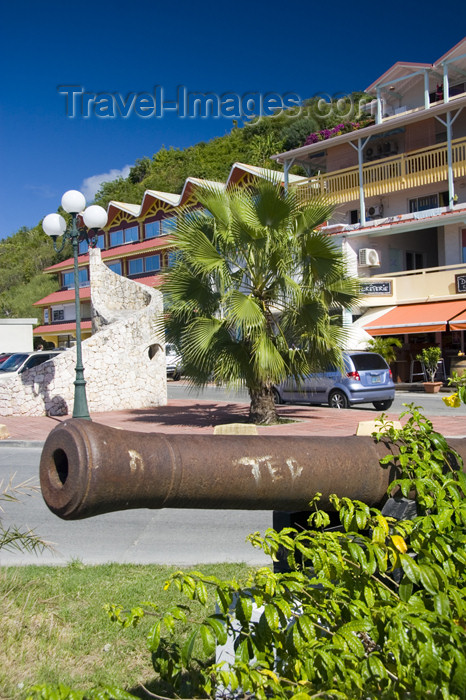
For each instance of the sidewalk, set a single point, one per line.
(201, 416)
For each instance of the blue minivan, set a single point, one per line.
(368, 379)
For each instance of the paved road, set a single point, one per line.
(174, 536)
(179, 537)
(431, 404)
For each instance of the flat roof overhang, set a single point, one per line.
(420, 114)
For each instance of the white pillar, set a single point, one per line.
(426, 90)
(446, 86)
(378, 117)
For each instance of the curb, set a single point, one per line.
(22, 443)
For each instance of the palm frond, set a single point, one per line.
(243, 312)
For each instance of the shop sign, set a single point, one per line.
(460, 281)
(378, 288)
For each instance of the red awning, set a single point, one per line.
(459, 322)
(418, 318)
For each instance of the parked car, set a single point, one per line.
(173, 358)
(4, 356)
(368, 379)
(19, 362)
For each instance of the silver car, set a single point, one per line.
(368, 379)
(174, 366)
(19, 362)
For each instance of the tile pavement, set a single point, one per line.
(201, 416)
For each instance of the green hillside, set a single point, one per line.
(26, 253)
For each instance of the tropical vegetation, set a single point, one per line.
(256, 292)
(385, 346)
(373, 609)
(430, 358)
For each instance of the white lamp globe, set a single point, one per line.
(54, 225)
(95, 216)
(73, 201)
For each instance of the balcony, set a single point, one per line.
(415, 286)
(402, 172)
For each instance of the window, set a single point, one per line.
(83, 276)
(122, 236)
(169, 225)
(84, 247)
(152, 229)
(115, 267)
(423, 203)
(171, 258)
(152, 263)
(140, 265)
(116, 238)
(58, 315)
(414, 260)
(135, 267)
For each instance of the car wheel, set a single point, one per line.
(176, 376)
(337, 399)
(383, 405)
(276, 397)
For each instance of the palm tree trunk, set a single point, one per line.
(262, 410)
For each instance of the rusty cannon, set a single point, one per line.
(88, 469)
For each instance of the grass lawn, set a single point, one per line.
(53, 627)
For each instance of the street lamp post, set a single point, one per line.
(54, 225)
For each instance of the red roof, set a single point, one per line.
(63, 295)
(126, 250)
(61, 327)
(66, 295)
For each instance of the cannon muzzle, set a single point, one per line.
(87, 469)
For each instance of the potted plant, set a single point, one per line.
(430, 358)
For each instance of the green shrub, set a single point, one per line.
(377, 610)
(430, 358)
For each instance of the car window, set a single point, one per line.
(35, 360)
(368, 361)
(13, 362)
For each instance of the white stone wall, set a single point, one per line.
(124, 361)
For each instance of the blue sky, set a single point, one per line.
(280, 47)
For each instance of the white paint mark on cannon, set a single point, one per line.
(135, 461)
(256, 463)
(295, 470)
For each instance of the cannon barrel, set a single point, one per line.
(87, 469)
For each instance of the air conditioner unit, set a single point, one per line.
(374, 212)
(368, 257)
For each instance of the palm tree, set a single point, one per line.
(255, 293)
(385, 347)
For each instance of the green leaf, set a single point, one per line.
(153, 638)
(271, 615)
(410, 567)
(442, 604)
(405, 589)
(188, 647)
(208, 639)
(307, 627)
(201, 592)
(428, 579)
(218, 624)
(376, 666)
(242, 652)
(369, 596)
(244, 607)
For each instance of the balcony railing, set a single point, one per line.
(402, 172)
(414, 286)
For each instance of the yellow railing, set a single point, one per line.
(413, 169)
